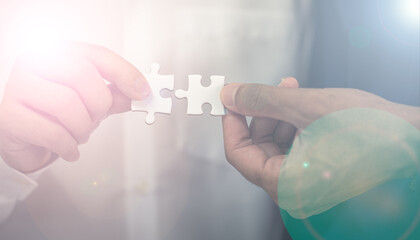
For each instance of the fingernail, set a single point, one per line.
(283, 80)
(228, 94)
(142, 88)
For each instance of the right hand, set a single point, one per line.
(280, 113)
(50, 107)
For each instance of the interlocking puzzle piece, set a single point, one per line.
(197, 95)
(155, 103)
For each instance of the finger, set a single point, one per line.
(264, 127)
(26, 126)
(298, 106)
(29, 158)
(120, 103)
(262, 133)
(55, 100)
(285, 132)
(246, 157)
(110, 66)
(115, 69)
(78, 74)
(265, 131)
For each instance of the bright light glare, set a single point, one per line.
(411, 10)
(40, 39)
(40, 31)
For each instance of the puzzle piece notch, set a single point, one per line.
(155, 103)
(197, 95)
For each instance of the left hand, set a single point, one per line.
(53, 102)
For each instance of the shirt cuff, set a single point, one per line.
(14, 184)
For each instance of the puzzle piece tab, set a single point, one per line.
(197, 95)
(155, 103)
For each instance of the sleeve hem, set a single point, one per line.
(14, 184)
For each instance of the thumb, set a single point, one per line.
(249, 99)
(260, 100)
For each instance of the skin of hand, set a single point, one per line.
(51, 106)
(279, 114)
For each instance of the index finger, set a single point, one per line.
(128, 79)
(241, 152)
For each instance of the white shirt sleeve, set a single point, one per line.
(14, 186)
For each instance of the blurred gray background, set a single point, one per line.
(171, 180)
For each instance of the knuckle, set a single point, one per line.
(227, 152)
(83, 69)
(252, 97)
(228, 156)
(67, 99)
(84, 133)
(75, 117)
(60, 142)
(84, 139)
(54, 139)
(101, 49)
(259, 179)
(232, 157)
(102, 106)
(258, 98)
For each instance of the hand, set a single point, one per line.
(279, 114)
(51, 105)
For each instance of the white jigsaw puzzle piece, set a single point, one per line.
(197, 95)
(155, 103)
